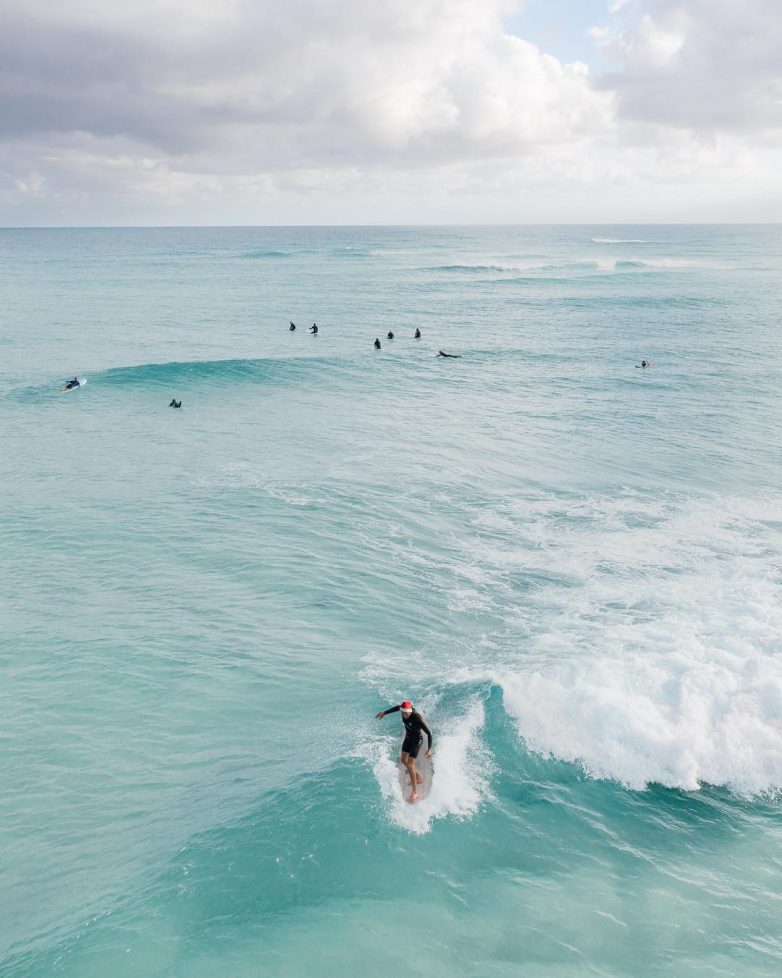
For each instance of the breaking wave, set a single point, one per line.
(213, 372)
(619, 241)
(564, 269)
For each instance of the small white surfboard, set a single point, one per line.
(75, 387)
(424, 767)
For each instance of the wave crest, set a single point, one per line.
(670, 720)
(660, 659)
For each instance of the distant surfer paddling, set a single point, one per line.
(451, 356)
(71, 384)
(415, 728)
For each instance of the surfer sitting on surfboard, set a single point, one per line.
(415, 728)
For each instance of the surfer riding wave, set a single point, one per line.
(415, 728)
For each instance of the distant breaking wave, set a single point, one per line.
(562, 269)
(210, 371)
(266, 254)
(515, 267)
(620, 241)
(473, 268)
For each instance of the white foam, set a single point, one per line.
(619, 240)
(664, 262)
(641, 637)
(559, 267)
(461, 773)
(675, 720)
(656, 651)
(632, 263)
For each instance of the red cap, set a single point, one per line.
(406, 705)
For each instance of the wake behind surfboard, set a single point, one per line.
(424, 767)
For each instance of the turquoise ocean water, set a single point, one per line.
(573, 565)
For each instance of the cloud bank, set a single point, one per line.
(360, 110)
(702, 65)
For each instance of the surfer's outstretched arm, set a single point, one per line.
(391, 709)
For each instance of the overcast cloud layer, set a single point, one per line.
(362, 111)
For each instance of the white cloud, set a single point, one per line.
(704, 65)
(193, 110)
(431, 79)
(33, 185)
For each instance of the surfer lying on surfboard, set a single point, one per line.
(71, 384)
(415, 728)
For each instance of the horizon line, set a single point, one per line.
(250, 227)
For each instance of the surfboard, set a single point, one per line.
(425, 769)
(82, 382)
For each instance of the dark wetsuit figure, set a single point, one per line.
(292, 326)
(417, 334)
(415, 728)
(377, 344)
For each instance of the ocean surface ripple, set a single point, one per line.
(573, 566)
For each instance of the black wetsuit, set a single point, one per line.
(415, 728)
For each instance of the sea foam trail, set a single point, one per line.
(460, 780)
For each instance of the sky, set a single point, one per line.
(231, 112)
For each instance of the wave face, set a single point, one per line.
(209, 373)
(573, 566)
